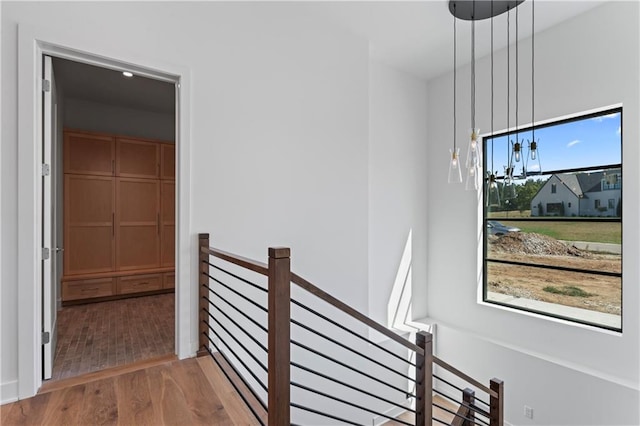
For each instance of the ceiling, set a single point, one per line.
(414, 36)
(102, 85)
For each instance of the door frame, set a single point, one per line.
(67, 43)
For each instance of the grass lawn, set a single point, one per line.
(602, 232)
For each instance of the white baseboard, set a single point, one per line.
(8, 392)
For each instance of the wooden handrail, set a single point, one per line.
(463, 376)
(253, 265)
(263, 268)
(323, 295)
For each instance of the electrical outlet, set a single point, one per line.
(528, 412)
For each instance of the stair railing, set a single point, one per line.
(234, 331)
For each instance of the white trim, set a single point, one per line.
(8, 392)
(65, 42)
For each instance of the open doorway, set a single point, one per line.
(113, 204)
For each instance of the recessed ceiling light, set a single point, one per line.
(127, 74)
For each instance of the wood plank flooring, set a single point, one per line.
(188, 392)
(96, 336)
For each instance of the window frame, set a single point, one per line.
(486, 139)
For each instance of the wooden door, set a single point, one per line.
(168, 223)
(167, 161)
(87, 153)
(88, 224)
(137, 224)
(138, 159)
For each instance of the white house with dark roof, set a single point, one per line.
(579, 194)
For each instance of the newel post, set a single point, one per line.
(203, 285)
(279, 332)
(469, 398)
(424, 381)
(497, 403)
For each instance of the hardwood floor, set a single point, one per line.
(188, 392)
(102, 335)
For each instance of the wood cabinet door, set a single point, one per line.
(135, 158)
(88, 224)
(167, 161)
(168, 223)
(86, 153)
(137, 224)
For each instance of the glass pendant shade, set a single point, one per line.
(493, 192)
(473, 178)
(455, 169)
(473, 162)
(515, 152)
(533, 165)
(508, 187)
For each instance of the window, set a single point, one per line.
(558, 253)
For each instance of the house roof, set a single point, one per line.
(582, 183)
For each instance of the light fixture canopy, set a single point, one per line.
(471, 10)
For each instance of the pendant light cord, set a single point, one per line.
(533, 81)
(508, 85)
(492, 96)
(517, 80)
(454, 78)
(473, 69)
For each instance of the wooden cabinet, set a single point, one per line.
(137, 223)
(136, 158)
(169, 280)
(167, 223)
(167, 161)
(89, 207)
(139, 283)
(119, 216)
(86, 289)
(87, 153)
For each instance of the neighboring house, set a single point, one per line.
(579, 194)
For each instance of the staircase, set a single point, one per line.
(297, 355)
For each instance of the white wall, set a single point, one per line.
(397, 191)
(97, 117)
(588, 62)
(279, 132)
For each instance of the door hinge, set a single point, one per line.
(46, 85)
(46, 337)
(45, 253)
(46, 170)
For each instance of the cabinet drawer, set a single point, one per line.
(139, 283)
(86, 289)
(169, 280)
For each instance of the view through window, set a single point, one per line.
(553, 219)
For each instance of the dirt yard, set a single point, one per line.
(596, 292)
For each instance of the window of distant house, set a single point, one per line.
(557, 252)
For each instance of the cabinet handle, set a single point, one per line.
(113, 224)
(90, 289)
(158, 223)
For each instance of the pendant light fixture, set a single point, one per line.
(473, 11)
(508, 187)
(473, 152)
(532, 164)
(493, 193)
(455, 168)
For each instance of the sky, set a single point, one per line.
(584, 143)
